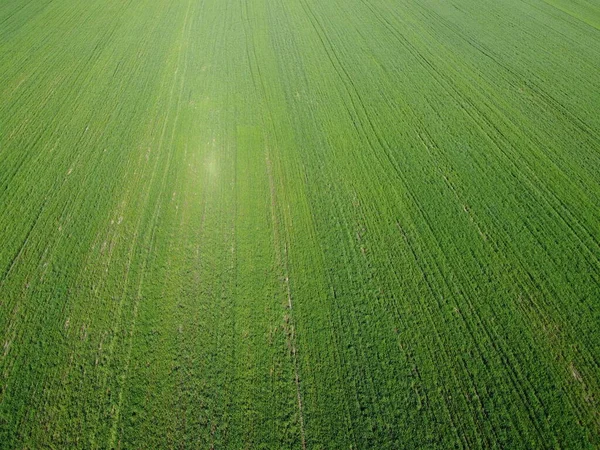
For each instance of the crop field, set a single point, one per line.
(309, 224)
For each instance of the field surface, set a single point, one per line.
(310, 224)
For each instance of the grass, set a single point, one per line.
(305, 224)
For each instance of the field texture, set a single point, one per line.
(310, 224)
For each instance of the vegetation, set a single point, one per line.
(306, 224)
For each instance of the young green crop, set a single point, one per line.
(307, 224)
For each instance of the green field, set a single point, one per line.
(310, 224)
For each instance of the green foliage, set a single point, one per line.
(299, 224)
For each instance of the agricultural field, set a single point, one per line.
(308, 224)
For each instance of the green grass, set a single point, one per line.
(300, 224)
